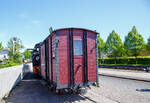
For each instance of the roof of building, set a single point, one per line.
(6, 49)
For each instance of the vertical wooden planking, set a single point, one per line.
(63, 53)
(91, 53)
(53, 58)
(66, 66)
(43, 60)
(78, 60)
(57, 58)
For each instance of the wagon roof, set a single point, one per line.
(75, 28)
(69, 28)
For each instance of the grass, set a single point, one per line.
(8, 64)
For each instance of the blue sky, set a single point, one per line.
(30, 20)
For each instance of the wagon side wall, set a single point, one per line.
(54, 56)
(64, 57)
(49, 58)
(58, 58)
(42, 58)
(91, 56)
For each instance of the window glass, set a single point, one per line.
(78, 48)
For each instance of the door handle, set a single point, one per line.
(79, 66)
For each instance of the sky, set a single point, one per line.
(30, 20)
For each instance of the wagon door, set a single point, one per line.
(78, 56)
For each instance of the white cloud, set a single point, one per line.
(24, 15)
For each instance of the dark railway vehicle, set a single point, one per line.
(36, 59)
(68, 58)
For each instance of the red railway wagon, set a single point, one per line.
(69, 58)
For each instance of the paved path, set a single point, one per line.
(129, 74)
(31, 90)
(112, 90)
(124, 90)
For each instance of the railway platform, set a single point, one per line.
(126, 74)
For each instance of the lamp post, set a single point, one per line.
(13, 49)
(13, 44)
(19, 44)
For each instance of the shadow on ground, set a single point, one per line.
(30, 90)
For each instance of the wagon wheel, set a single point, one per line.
(59, 91)
(74, 91)
(56, 91)
(53, 89)
(49, 88)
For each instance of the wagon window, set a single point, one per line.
(78, 48)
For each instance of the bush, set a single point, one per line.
(126, 60)
(16, 57)
(8, 63)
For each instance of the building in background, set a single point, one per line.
(4, 54)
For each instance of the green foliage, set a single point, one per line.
(147, 49)
(17, 57)
(1, 47)
(14, 54)
(8, 63)
(114, 45)
(15, 43)
(134, 43)
(127, 60)
(27, 54)
(148, 41)
(148, 46)
(101, 46)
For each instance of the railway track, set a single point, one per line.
(123, 77)
(90, 96)
(95, 97)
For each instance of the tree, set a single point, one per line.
(148, 41)
(15, 44)
(1, 47)
(134, 43)
(148, 46)
(114, 45)
(27, 54)
(101, 46)
(17, 57)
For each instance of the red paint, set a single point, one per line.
(64, 56)
(42, 51)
